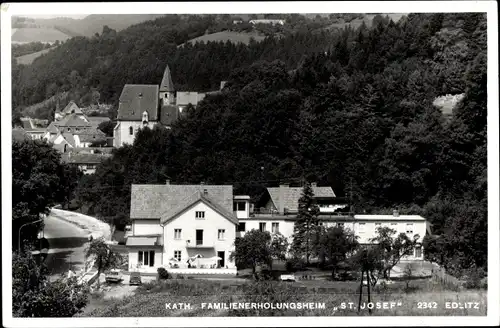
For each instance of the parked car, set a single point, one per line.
(135, 278)
(288, 277)
(114, 275)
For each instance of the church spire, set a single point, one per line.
(166, 83)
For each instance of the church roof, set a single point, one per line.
(166, 82)
(137, 98)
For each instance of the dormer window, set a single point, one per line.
(145, 117)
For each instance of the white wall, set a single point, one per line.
(286, 228)
(146, 227)
(243, 214)
(133, 256)
(189, 224)
(122, 135)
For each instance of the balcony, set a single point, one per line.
(199, 244)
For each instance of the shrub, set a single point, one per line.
(475, 278)
(163, 274)
(295, 264)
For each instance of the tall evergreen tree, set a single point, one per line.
(306, 228)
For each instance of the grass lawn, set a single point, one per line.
(234, 37)
(150, 299)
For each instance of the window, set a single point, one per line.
(200, 214)
(177, 233)
(418, 251)
(394, 225)
(239, 206)
(409, 228)
(341, 224)
(362, 227)
(146, 258)
(221, 234)
(262, 226)
(177, 255)
(275, 227)
(131, 131)
(242, 227)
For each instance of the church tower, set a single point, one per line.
(167, 91)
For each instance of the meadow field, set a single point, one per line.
(424, 298)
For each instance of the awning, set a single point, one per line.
(143, 241)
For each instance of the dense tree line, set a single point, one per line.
(140, 53)
(358, 117)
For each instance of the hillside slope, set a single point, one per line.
(92, 24)
(234, 37)
(28, 59)
(44, 34)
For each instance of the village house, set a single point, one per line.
(285, 199)
(31, 129)
(280, 209)
(176, 224)
(86, 161)
(73, 129)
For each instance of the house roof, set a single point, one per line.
(151, 201)
(69, 138)
(188, 202)
(83, 158)
(291, 195)
(71, 107)
(168, 114)
(187, 97)
(27, 124)
(91, 136)
(72, 120)
(166, 82)
(19, 135)
(52, 128)
(96, 120)
(137, 98)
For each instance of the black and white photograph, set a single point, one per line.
(250, 164)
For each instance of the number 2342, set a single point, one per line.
(426, 305)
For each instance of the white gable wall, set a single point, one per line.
(210, 225)
(122, 132)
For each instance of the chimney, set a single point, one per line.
(314, 184)
(202, 183)
(222, 84)
(167, 182)
(395, 213)
(281, 205)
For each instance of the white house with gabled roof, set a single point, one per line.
(174, 224)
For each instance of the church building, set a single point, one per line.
(142, 105)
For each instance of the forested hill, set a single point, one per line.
(358, 118)
(139, 54)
